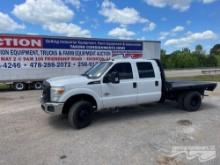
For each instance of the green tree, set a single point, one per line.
(218, 60)
(199, 50)
(215, 50)
(212, 61)
(202, 60)
(186, 50)
(187, 59)
(162, 52)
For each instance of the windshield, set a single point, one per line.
(97, 70)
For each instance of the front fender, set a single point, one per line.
(79, 91)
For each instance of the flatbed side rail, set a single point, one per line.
(205, 86)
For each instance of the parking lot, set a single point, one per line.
(133, 135)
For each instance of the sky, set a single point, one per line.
(176, 23)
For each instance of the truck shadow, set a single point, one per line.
(126, 113)
(141, 111)
(129, 113)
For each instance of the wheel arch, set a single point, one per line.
(77, 97)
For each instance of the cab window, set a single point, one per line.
(145, 70)
(124, 70)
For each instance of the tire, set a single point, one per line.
(37, 85)
(80, 114)
(19, 86)
(192, 101)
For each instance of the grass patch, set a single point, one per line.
(198, 78)
(4, 86)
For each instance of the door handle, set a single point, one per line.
(156, 83)
(134, 85)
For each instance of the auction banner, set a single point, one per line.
(22, 51)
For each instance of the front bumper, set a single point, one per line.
(52, 108)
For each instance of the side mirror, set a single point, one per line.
(115, 78)
(107, 78)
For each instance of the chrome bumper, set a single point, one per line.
(52, 108)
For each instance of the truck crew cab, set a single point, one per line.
(117, 83)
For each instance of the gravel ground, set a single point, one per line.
(135, 135)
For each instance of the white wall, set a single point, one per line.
(151, 50)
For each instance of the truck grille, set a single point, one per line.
(46, 92)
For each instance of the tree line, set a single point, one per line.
(186, 58)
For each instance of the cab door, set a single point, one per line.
(148, 83)
(123, 93)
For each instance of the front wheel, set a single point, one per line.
(80, 114)
(192, 101)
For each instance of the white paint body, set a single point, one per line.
(109, 95)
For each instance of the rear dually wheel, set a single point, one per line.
(192, 101)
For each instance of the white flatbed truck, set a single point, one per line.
(117, 83)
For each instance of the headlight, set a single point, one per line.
(58, 90)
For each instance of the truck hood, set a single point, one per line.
(68, 80)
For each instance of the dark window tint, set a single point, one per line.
(145, 70)
(124, 70)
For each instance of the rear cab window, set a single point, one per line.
(145, 70)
